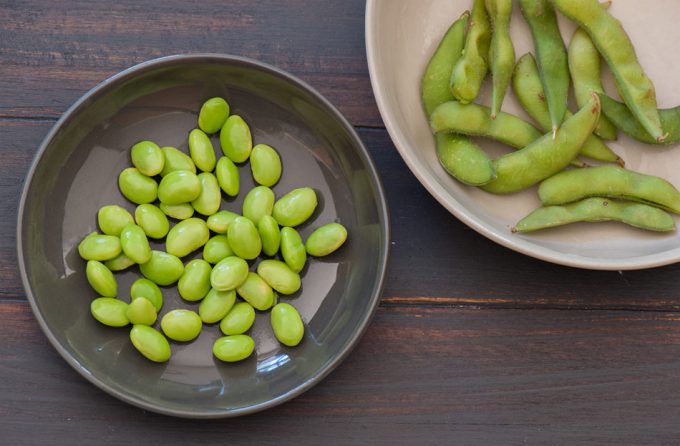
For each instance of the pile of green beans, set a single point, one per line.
(168, 184)
(570, 190)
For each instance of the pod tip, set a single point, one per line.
(662, 138)
(554, 132)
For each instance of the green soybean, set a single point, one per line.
(136, 187)
(244, 239)
(216, 249)
(101, 279)
(135, 244)
(233, 348)
(279, 276)
(501, 51)
(326, 239)
(235, 139)
(470, 70)
(238, 320)
(210, 197)
(163, 269)
(295, 207)
(180, 186)
(152, 220)
(597, 209)
(147, 157)
(287, 324)
(216, 305)
(186, 237)
(119, 263)
(176, 160)
(99, 247)
(201, 150)
(213, 114)
(178, 211)
(195, 281)
(220, 221)
(463, 159)
(141, 311)
(147, 289)
(259, 201)
(150, 343)
(229, 273)
(113, 218)
(621, 117)
(227, 176)
(265, 165)
(270, 234)
(256, 292)
(293, 249)
(181, 325)
(110, 311)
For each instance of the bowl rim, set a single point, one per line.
(383, 214)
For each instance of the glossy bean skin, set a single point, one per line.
(150, 343)
(295, 207)
(265, 164)
(244, 239)
(233, 348)
(279, 276)
(136, 187)
(293, 249)
(585, 70)
(613, 43)
(621, 117)
(119, 263)
(216, 249)
(611, 182)
(210, 197)
(187, 236)
(259, 201)
(147, 289)
(256, 292)
(163, 269)
(527, 85)
(195, 281)
(216, 305)
(201, 150)
(99, 247)
(547, 156)
(134, 243)
(180, 186)
(110, 311)
(178, 211)
(152, 220)
(141, 311)
(238, 320)
(227, 176)
(597, 209)
(270, 234)
(229, 273)
(287, 324)
(551, 56)
(235, 139)
(101, 279)
(147, 157)
(181, 325)
(501, 51)
(326, 239)
(220, 221)
(214, 112)
(469, 72)
(176, 160)
(113, 218)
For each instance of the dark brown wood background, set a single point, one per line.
(472, 343)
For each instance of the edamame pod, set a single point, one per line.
(235, 139)
(136, 187)
(201, 150)
(147, 289)
(186, 237)
(326, 239)
(270, 234)
(195, 281)
(216, 249)
(259, 201)
(216, 305)
(99, 247)
(176, 160)
(220, 221)
(147, 157)
(150, 343)
(229, 273)
(110, 311)
(597, 209)
(265, 165)
(179, 186)
(287, 324)
(141, 311)
(113, 218)
(227, 176)
(244, 239)
(135, 244)
(152, 220)
(501, 51)
(471, 68)
(119, 263)
(210, 197)
(238, 320)
(233, 348)
(163, 269)
(293, 249)
(622, 118)
(295, 207)
(256, 292)
(279, 276)
(214, 112)
(181, 325)
(463, 159)
(101, 279)
(178, 211)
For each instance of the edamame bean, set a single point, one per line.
(152, 220)
(270, 234)
(101, 279)
(112, 219)
(235, 139)
(216, 249)
(135, 244)
(216, 305)
(213, 113)
(279, 276)
(547, 156)
(227, 176)
(220, 221)
(259, 201)
(150, 343)
(186, 237)
(99, 247)
(238, 320)
(293, 249)
(178, 211)
(141, 311)
(163, 269)
(470, 70)
(119, 263)
(181, 325)
(597, 209)
(615, 46)
(256, 292)
(180, 186)
(463, 159)
(551, 56)
(233, 348)
(326, 239)
(501, 51)
(210, 197)
(622, 118)
(136, 187)
(110, 311)
(244, 239)
(287, 324)
(612, 182)
(147, 289)
(229, 273)
(201, 150)
(295, 207)
(265, 164)
(176, 160)
(147, 157)
(195, 282)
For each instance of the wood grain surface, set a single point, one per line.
(472, 343)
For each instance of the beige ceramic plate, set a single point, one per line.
(401, 35)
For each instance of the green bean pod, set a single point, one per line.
(469, 72)
(619, 114)
(501, 51)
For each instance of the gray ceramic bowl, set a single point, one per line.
(75, 172)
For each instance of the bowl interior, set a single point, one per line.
(401, 36)
(77, 173)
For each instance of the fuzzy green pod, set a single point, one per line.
(179, 186)
(238, 320)
(137, 187)
(214, 112)
(181, 325)
(270, 234)
(471, 69)
(227, 176)
(186, 237)
(619, 114)
(201, 150)
(265, 164)
(216, 305)
(113, 218)
(147, 157)
(152, 220)
(501, 51)
(229, 273)
(135, 244)
(163, 269)
(233, 348)
(287, 324)
(195, 281)
(235, 139)
(279, 276)
(210, 197)
(110, 311)
(256, 292)
(244, 239)
(150, 343)
(326, 239)
(176, 160)
(101, 279)
(99, 247)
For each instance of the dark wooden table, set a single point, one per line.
(472, 343)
